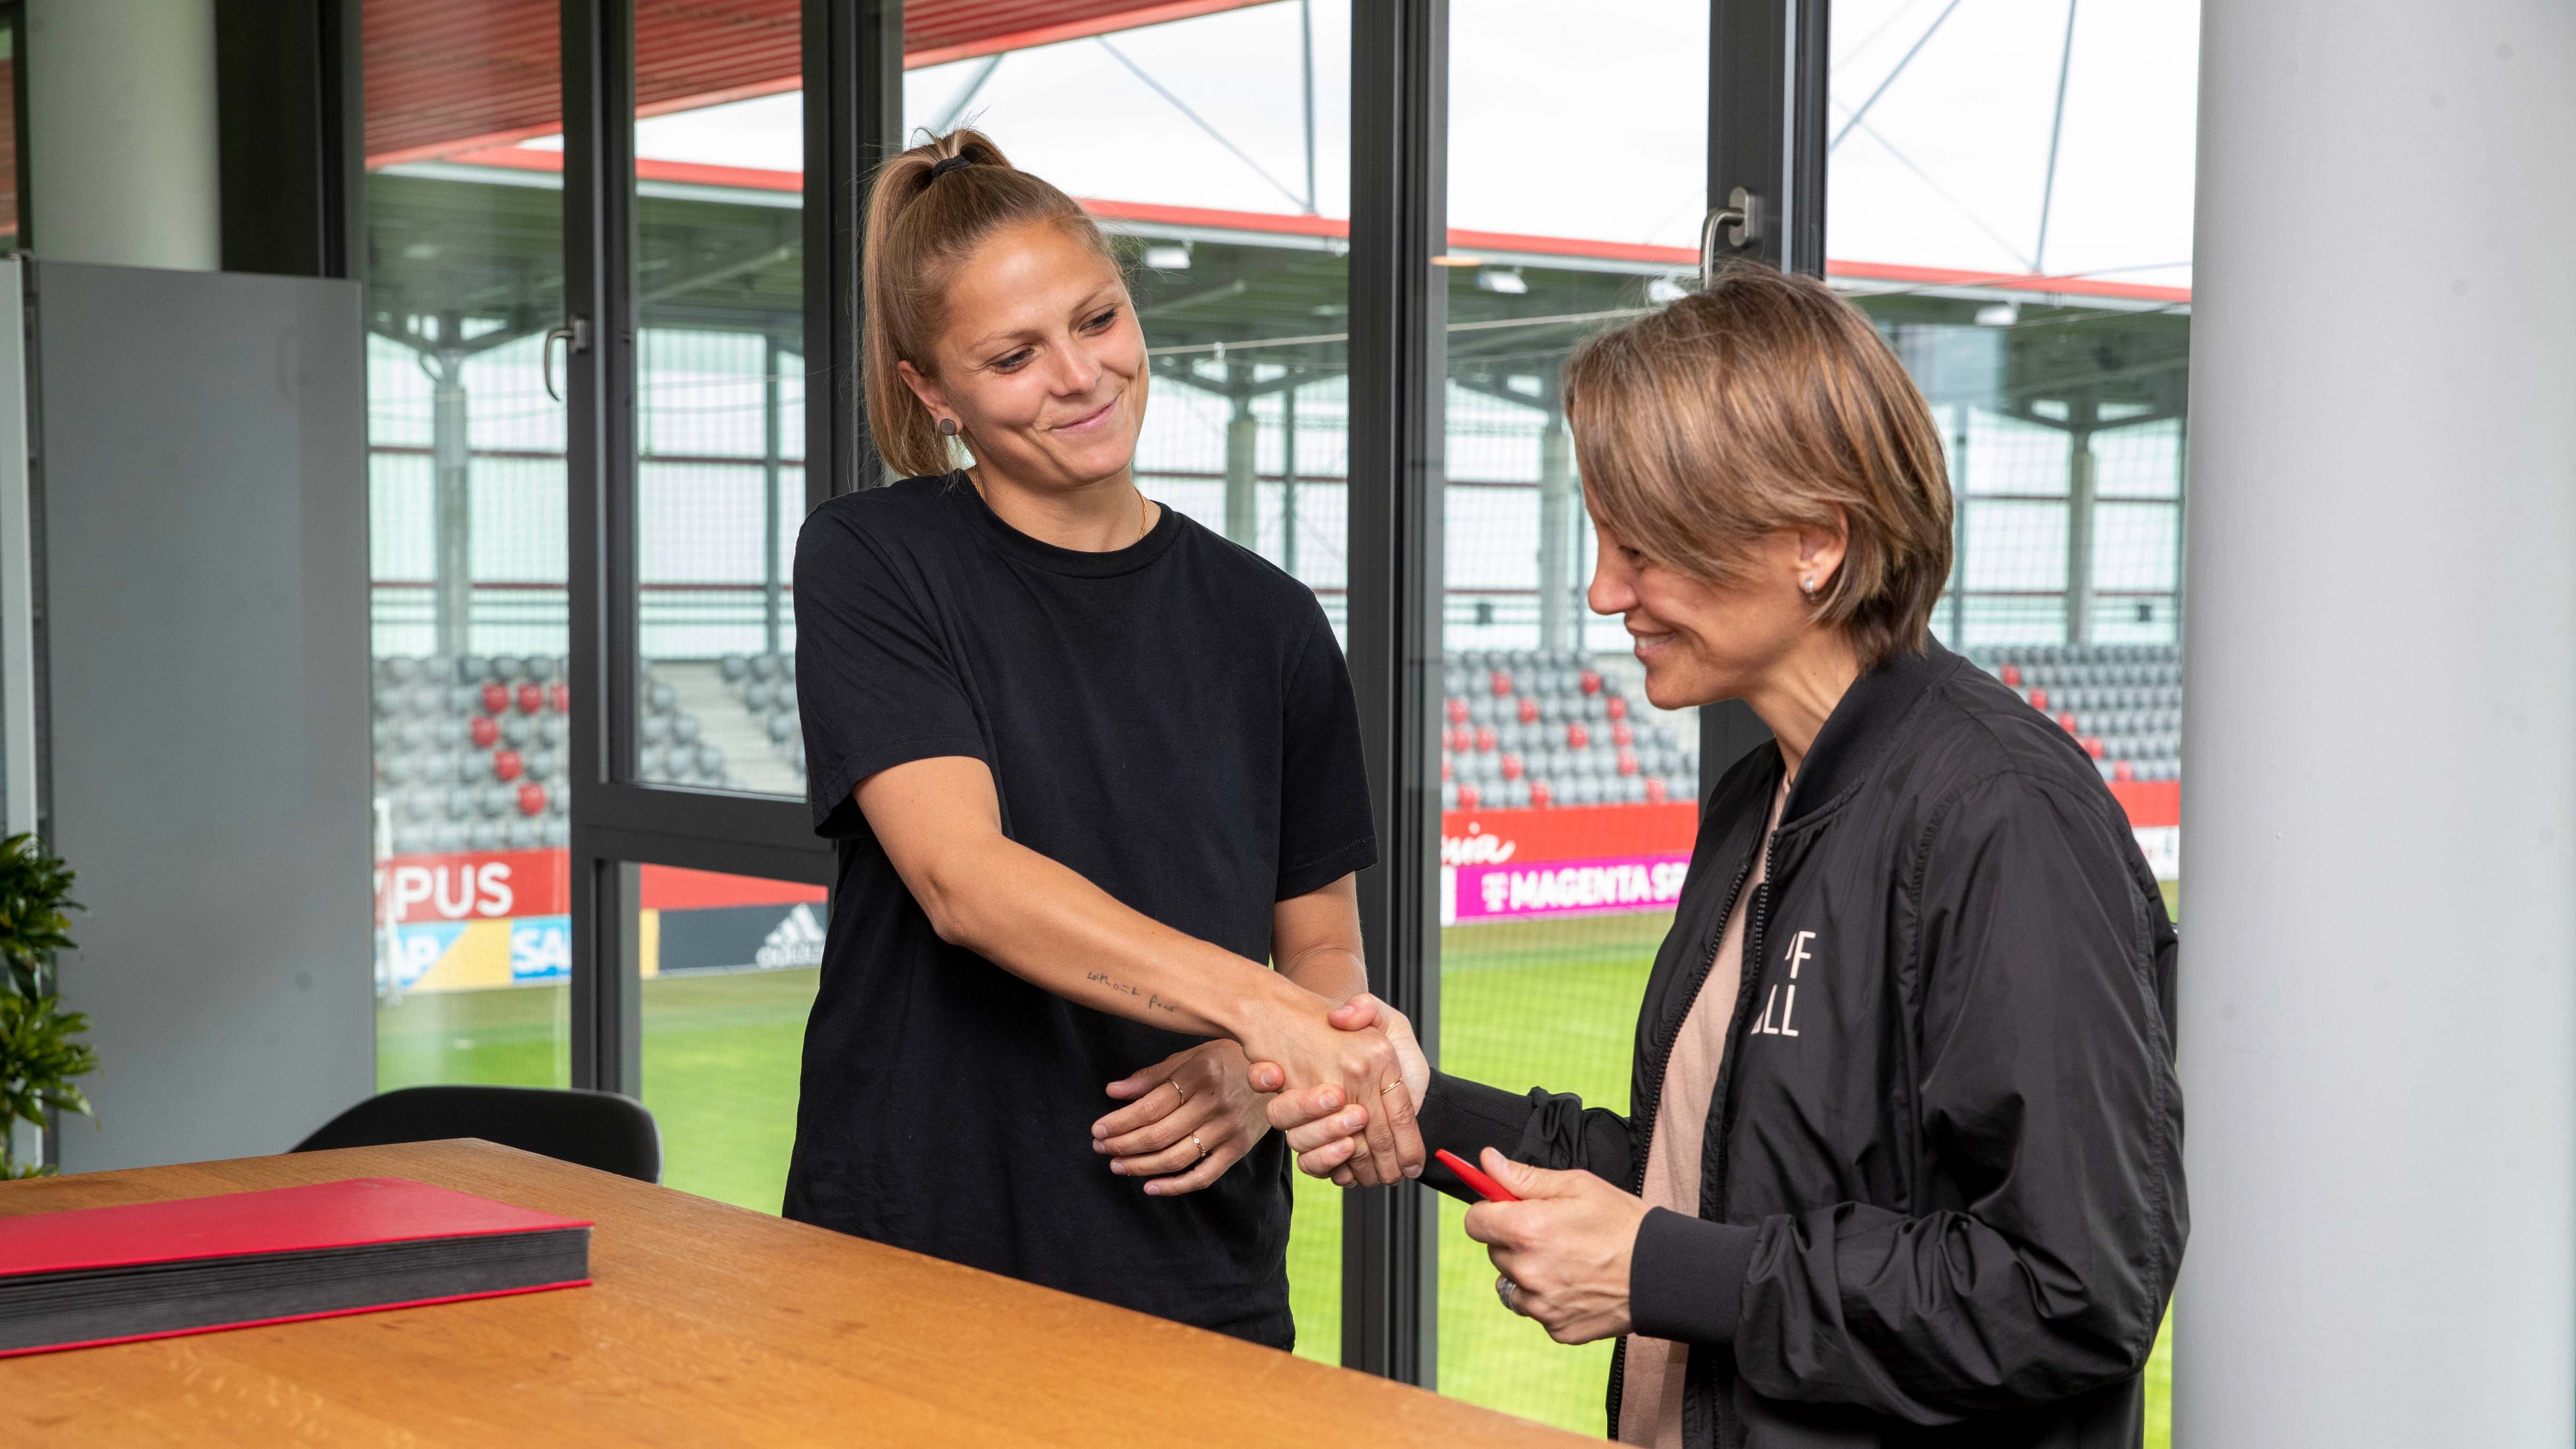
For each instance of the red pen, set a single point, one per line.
(1486, 1187)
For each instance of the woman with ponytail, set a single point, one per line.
(1090, 770)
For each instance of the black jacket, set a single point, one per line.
(1941, 1196)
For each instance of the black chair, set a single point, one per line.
(593, 1129)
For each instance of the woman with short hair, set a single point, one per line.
(1089, 769)
(1903, 1158)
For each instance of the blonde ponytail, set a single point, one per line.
(923, 219)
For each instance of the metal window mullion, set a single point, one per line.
(1767, 78)
(599, 454)
(853, 119)
(1398, 318)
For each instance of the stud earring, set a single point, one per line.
(1807, 584)
(948, 427)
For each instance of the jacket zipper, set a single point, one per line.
(1646, 1111)
(1713, 1176)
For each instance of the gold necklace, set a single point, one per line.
(1140, 517)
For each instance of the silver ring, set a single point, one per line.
(1510, 1293)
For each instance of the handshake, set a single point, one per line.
(1343, 1083)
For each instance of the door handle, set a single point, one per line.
(575, 335)
(1740, 219)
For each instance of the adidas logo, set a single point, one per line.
(797, 940)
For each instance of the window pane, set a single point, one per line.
(728, 966)
(720, 390)
(1569, 802)
(464, 242)
(1216, 151)
(2011, 198)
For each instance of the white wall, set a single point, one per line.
(121, 132)
(2379, 936)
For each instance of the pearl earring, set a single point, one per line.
(1807, 584)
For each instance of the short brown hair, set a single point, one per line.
(1757, 404)
(920, 226)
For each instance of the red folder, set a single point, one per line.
(150, 1270)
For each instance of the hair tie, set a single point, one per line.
(951, 164)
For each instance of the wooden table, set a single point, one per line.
(707, 1324)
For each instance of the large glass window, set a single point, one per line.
(720, 392)
(2011, 199)
(1216, 151)
(464, 266)
(1569, 802)
(727, 965)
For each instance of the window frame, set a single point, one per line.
(1766, 118)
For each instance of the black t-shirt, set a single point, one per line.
(1172, 720)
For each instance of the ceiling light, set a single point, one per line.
(1999, 314)
(1168, 257)
(1506, 280)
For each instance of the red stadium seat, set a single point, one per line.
(532, 799)
(1592, 681)
(1485, 739)
(1656, 791)
(1540, 795)
(560, 696)
(1468, 799)
(1511, 766)
(1577, 737)
(1444, 769)
(495, 699)
(1617, 707)
(2092, 745)
(1457, 711)
(531, 699)
(2066, 721)
(506, 765)
(1622, 736)
(1501, 682)
(483, 731)
(1529, 711)
(2123, 771)
(2012, 676)
(1627, 762)
(2039, 700)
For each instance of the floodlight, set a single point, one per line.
(1506, 280)
(1168, 257)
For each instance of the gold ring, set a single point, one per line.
(1201, 1146)
(1177, 1091)
(1391, 1086)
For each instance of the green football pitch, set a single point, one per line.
(1548, 1003)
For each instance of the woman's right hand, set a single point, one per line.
(1323, 1124)
(1341, 1051)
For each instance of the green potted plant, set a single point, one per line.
(41, 1058)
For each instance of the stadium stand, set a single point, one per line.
(2122, 702)
(1539, 728)
(472, 752)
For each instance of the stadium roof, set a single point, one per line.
(447, 78)
(468, 96)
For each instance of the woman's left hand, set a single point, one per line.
(1190, 1116)
(1565, 1245)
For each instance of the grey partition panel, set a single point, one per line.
(201, 470)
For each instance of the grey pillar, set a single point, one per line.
(1242, 456)
(773, 593)
(2378, 1033)
(1555, 524)
(451, 496)
(120, 138)
(2079, 521)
